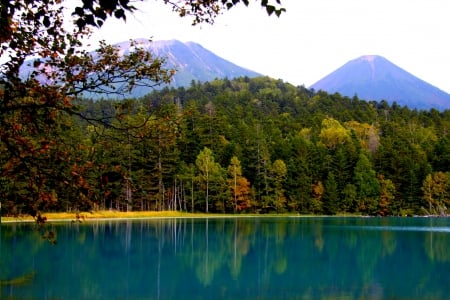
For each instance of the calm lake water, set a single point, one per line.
(230, 258)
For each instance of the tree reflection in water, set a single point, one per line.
(247, 257)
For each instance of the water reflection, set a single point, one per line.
(264, 258)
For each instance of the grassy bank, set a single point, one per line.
(107, 214)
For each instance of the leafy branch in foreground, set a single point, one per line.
(45, 70)
(95, 13)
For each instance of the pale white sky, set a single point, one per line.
(312, 39)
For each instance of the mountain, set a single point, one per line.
(191, 61)
(373, 77)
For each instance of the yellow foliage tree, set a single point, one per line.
(333, 133)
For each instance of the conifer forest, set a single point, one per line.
(246, 145)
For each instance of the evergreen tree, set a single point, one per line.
(299, 177)
(208, 171)
(331, 195)
(279, 172)
(367, 185)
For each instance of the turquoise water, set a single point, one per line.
(230, 258)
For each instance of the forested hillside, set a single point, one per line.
(244, 145)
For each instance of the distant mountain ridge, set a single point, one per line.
(191, 61)
(373, 77)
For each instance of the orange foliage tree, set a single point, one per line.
(239, 186)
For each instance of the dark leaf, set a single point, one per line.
(90, 20)
(100, 13)
(119, 14)
(46, 21)
(109, 5)
(124, 4)
(87, 4)
(270, 9)
(79, 11)
(39, 14)
(80, 23)
(279, 11)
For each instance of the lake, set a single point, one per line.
(229, 258)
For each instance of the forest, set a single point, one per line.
(245, 145)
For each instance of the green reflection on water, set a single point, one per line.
(229, 258)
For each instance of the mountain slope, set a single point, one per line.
(373, 77)
(191, 61)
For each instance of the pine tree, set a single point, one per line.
(368, 187)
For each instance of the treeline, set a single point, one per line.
(244, 145)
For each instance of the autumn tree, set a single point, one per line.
(436, 188)
(239, 185)
(387, 195)
(317, 192)
(333, 133)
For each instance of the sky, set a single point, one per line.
(311, 39)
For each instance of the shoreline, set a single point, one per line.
(121, 216)
(9, 221)
(104, 216)
(148, 215)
